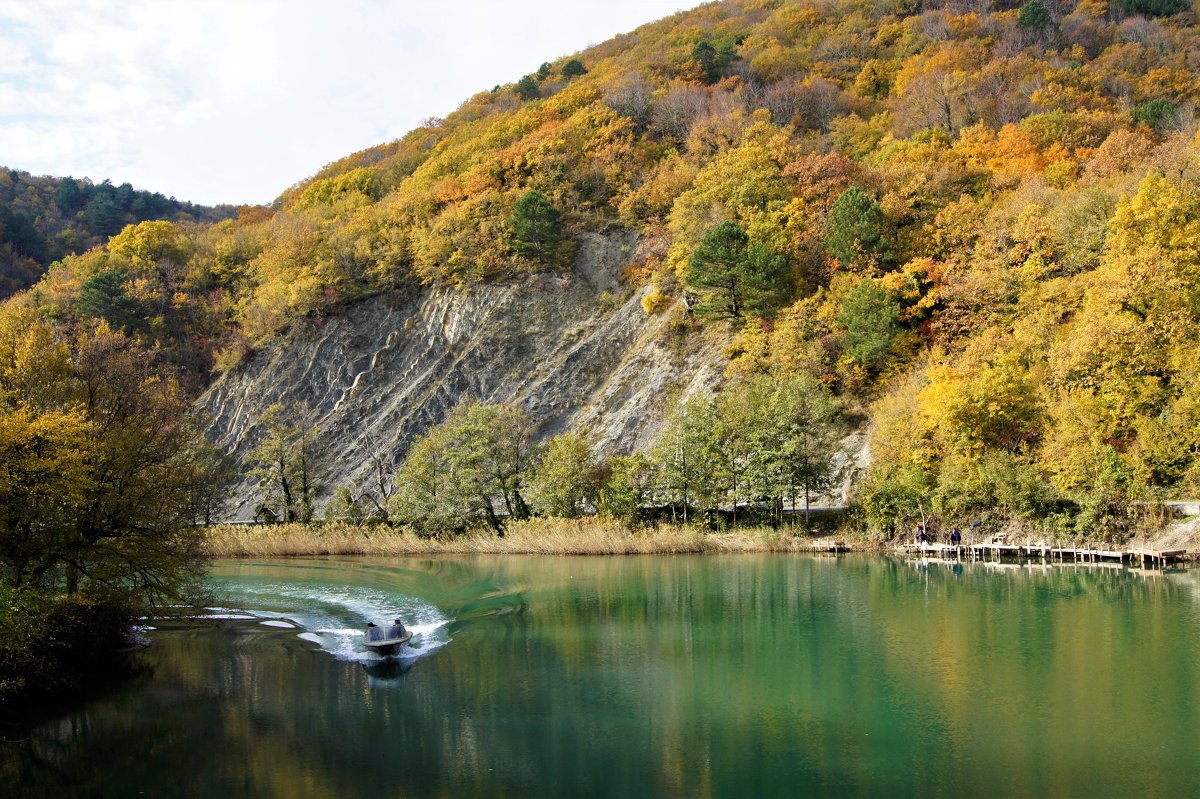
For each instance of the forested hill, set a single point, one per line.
(43, 219)
(977, 223)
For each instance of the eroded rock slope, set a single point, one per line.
(575, 351)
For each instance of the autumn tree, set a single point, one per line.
(103, 472)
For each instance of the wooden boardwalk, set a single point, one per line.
(996, 550)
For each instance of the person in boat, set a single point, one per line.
(397, 628)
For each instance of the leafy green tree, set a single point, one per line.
(1155, 8)
(437, 489)
(21, 234)
(628, 488)
(102, 214)
(740, 410)
(895, 497)
(735, 277)
(453, 475)
(535, 229)
(544, 70)
(284, 458)
(344, 508)
(704, 55)
(708, 61)
(504, 435)
(573, 69)
(854, 230)
(69, 197)
(795, 442)
(688, 455)
(568, 480)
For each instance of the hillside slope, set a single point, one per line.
(43, 219)
(979, 223)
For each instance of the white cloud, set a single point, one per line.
(234, 100)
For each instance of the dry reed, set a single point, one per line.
(534, 536)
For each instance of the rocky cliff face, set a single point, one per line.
(575, 351)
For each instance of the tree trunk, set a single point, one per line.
(288, 515)
(492, 520)
(807, 525)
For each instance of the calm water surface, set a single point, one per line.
(644, 676)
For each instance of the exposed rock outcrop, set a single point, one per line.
(576, 351)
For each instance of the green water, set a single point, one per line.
(771, 675)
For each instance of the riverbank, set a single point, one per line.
(530, 537)
(590, 536)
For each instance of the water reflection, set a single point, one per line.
(689, 676)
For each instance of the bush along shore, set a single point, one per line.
(56, 651)
(588, 536)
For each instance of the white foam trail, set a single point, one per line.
(335, 618)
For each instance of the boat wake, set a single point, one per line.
(334, 618)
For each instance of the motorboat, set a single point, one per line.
(386, 640)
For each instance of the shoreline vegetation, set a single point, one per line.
(547, 536)
(590, 536)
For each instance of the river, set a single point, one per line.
(745, 675)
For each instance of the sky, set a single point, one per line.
(232, 101)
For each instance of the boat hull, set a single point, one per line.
(388, 646)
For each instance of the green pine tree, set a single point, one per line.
(527, 88)
(734, 277)
(854, 231)
(536, 229)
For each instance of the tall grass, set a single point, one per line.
(534, 536)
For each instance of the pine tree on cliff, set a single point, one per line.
(536, 229)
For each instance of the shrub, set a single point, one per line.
(655, 301)
(58, 646)
(573, 68)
